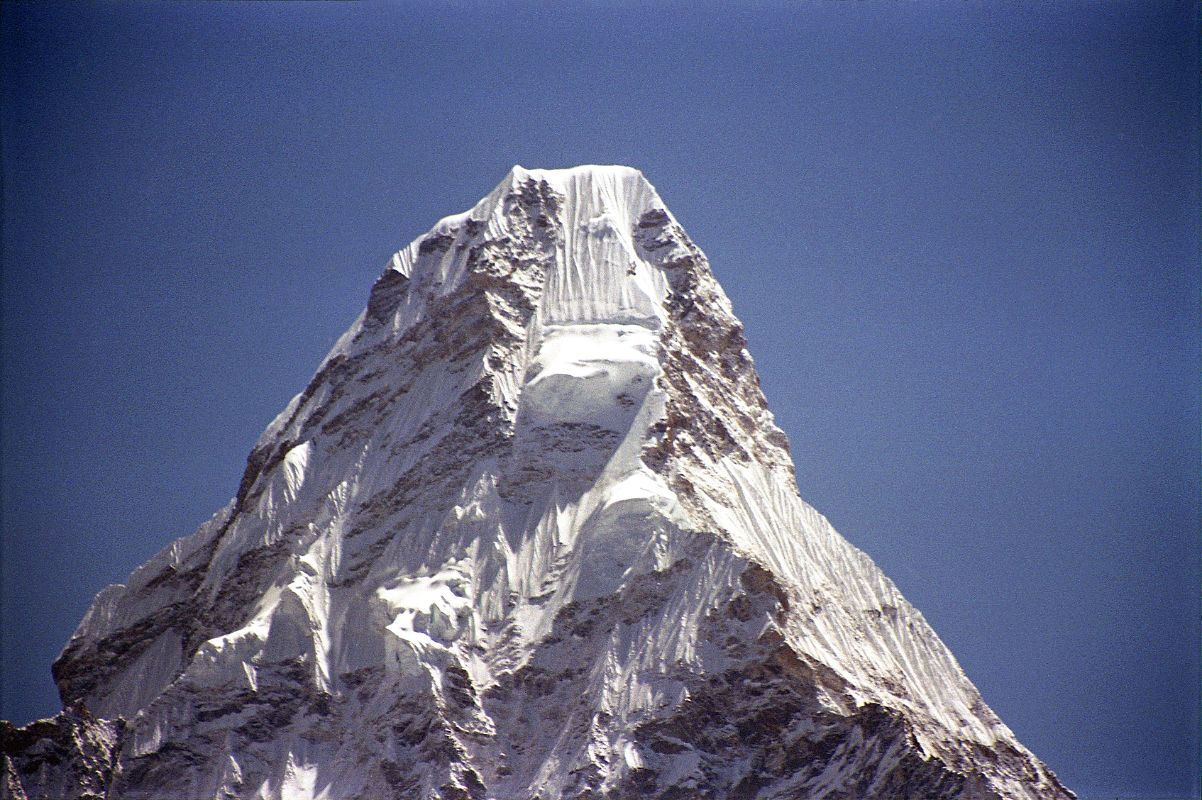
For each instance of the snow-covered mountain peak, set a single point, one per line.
(560, 177)
(589, 192)
(530, 531)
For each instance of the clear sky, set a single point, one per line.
(963, 238)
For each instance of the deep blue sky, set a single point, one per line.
(963, 238)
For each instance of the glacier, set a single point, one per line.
(529, 532)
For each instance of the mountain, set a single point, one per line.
(529, 532)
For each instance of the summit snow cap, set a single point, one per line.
(591, 190)
(600, 273)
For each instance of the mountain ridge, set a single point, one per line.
(538, 465)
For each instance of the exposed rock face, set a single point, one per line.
(530, 532)
(70, 755)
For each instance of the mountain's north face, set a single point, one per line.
(529, 532)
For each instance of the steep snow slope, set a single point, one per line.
(530, 531)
